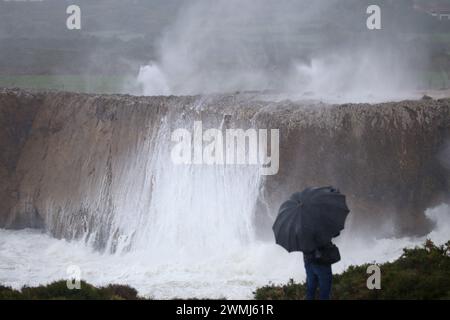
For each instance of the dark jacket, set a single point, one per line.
(310, 257)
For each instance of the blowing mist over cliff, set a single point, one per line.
(315, 49)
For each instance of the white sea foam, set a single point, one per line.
(31, 257)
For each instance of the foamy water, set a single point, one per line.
(29, 257)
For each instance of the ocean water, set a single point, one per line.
(31, 257)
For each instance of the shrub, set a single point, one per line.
(420, 273)
(58, 291)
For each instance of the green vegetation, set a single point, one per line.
(74, 83)
(437, 80)
(420, 273)
(58, 291)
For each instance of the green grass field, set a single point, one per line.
(438, 80)
(88, 84)
(118, 84)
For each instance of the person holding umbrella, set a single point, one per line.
(308, 222)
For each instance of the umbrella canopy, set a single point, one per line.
(310, 219)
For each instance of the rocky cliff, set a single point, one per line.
(78, 164)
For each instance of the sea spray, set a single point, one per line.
(29, 257)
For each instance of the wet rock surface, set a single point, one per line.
(64, 156)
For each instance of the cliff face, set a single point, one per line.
(84, 164)
(384, 157)
(17, 113)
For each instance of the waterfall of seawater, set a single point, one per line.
(185, 211)
(165, 228)
(137, 199)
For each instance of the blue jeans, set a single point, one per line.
(318, 275)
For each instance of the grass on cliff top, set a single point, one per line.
(421, 273)
(74, 83)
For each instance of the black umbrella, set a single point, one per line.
(310, 219)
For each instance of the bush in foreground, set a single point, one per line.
(420, 273)
(58, 291)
